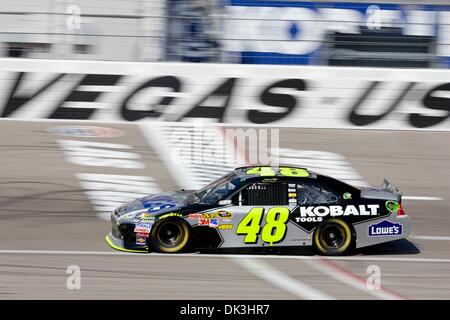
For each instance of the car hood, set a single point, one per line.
(156, 204)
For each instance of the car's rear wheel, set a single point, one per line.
(334, 237)
(170, 236)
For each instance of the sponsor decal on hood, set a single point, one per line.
(158, 202)
(154, 204)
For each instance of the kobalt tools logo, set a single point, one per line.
(316, 214)
(385, 228)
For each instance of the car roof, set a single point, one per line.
(242, 172)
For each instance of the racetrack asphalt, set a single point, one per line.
(48, 223)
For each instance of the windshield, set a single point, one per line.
(218, 189)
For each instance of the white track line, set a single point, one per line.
(69, 252)
(266, 272)
(338, 273)
(234, 124)
(200, 255)
(422, 198)
(431, 238)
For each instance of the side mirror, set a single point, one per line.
(224, 202)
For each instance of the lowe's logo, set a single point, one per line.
(385, 228)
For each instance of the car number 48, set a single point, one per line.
(274, 229)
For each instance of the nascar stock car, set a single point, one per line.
(262, 206)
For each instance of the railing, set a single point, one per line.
(399, 33)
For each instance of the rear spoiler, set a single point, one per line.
(387, 192)
(390, 187)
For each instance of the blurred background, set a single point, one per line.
(400, 33)
(359, 90)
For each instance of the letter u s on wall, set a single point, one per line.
(309, 97)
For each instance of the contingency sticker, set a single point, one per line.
(141, 239)
(385, 228)
(214, 223)
(143, 227)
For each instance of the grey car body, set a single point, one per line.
(265, 207)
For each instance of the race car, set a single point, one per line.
(262, 207)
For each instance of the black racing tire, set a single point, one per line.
(334, 237)
(170, 236)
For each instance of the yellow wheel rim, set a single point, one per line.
(344, 230)
(180, 239)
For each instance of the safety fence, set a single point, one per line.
(334, 33)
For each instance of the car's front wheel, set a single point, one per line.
(334, 237)
(170, 236)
